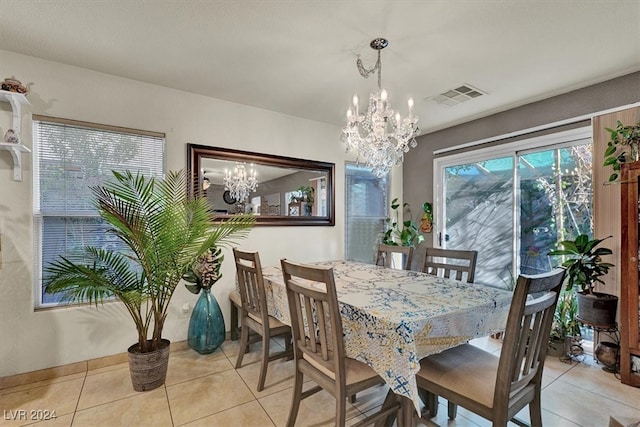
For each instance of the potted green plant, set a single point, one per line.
(306, 199)
(585, 268)
(164, 232)
(565, 334)
(622, 136)
(426, 223)
(405, 233)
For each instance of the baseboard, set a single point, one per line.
(74, 368)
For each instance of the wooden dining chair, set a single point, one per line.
(454, 264)
(318, 344)
(498, 387)
(385, 256)
(254, 314)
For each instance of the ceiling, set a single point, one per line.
(299, 57)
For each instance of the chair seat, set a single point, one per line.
(273, 322)
(465, 370)
(234, 296)
(355, 371)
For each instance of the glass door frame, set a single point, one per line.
(515, 149)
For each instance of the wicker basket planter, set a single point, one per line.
(148, 370)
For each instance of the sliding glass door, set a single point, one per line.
(478, 209)
(513, 203)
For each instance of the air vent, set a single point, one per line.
(457, 96)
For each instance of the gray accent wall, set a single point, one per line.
(418, 165)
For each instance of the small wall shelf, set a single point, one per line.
(17, 100)
(15, 150)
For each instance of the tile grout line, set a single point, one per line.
(166, 395)
(75, 410)
(251, 391)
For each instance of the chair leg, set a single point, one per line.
(297, 397)
(265, 359)
(244, 344)
(288, 345)
(535, 411)
(452, 410)
(430, 400)
(341, 410)
(235, 319)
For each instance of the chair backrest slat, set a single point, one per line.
(450, 263)
(385, 258)
(251, 283)
(526, 335)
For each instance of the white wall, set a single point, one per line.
(32, 340)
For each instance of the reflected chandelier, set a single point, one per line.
(241, 183)
(379, 137)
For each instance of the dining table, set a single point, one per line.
(393, 318)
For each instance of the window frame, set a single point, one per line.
(37, 214)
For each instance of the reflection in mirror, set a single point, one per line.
(278, 190)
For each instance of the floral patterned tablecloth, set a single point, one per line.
(393, 318)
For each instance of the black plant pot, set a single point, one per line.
(597, 309)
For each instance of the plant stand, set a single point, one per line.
(611, 330)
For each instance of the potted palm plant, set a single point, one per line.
(164, 232)
(585, 268)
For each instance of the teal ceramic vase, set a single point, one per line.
(206, 327)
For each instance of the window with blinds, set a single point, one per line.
(69, 158)
(366, 210)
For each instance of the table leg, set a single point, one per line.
(408, 416)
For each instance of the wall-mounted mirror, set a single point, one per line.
(278, 190)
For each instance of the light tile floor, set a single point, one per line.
(205, 390)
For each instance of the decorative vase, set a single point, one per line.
(148, 370)
(608, 354)
(206, 326)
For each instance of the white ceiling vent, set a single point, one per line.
(457, 96)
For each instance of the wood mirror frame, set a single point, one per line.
(203, 160)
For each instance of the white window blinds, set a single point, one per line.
(366, 198)
(70, 158)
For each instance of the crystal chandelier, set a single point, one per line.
(379, 137)
(240, 183)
